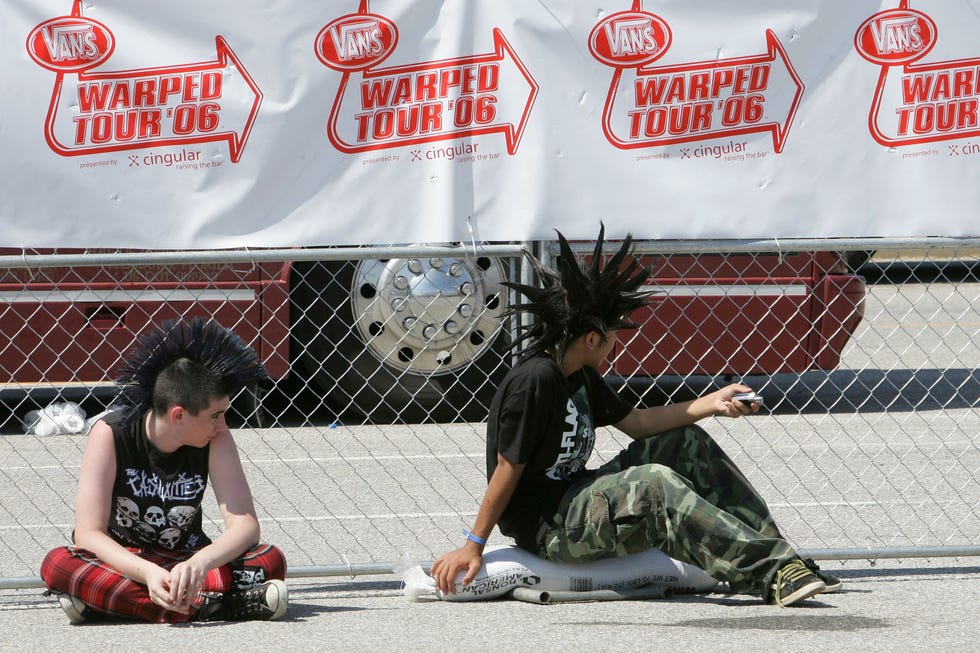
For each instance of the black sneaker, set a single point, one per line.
(265, 602)
(833, 583)
(794, 583)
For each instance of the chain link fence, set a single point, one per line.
(367, 445)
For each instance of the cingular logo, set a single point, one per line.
(70, 44)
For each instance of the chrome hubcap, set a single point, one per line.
(428, 315)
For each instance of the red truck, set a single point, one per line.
(418, 337)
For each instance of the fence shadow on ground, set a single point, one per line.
(840, 391)
(837, 392)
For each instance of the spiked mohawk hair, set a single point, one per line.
(221, 353)
(572, 301)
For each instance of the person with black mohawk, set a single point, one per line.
(139, 548)
(673, 488)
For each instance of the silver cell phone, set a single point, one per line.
(748, 398)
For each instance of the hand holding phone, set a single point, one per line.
(748, 398)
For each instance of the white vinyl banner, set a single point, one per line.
(230, 124)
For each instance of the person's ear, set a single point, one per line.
(176, 413)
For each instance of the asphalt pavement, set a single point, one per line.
(888, 605)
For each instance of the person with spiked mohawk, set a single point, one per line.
(673, 488)
(139, 548)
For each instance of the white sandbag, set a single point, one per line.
(508, 567)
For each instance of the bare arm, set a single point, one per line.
(647, 422)
(500, 489)
(93, 507)
(238, 511)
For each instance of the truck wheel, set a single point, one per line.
(857, 259)
(411, 339)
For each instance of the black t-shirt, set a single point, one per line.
(547, 422)
(156, 497)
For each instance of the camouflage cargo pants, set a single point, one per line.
(678, 492)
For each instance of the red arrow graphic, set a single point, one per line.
(709, 99)
(434, 101)
(928, 102)
(94, 113)
(938, 102)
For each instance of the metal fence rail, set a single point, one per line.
(368, 447)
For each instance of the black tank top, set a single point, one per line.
(156, 497)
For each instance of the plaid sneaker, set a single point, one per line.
(266, 602)
(833, 583)
(78, 612)
(794, 582)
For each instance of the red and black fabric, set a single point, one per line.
(78, 572)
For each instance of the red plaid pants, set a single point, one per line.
(78, 572)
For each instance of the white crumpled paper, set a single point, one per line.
(59, 418)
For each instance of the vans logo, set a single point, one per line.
(356, 42)
(629, 39)
(895, 37)
(70, 44)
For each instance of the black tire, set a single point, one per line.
(857, 259)
(330, 347)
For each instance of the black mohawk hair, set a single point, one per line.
(206, 342)
(573, 300)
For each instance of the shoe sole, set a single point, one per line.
(76, 615)
(805, 592)
(281, 601)
(834, 585)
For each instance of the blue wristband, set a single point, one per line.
(474, 538)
